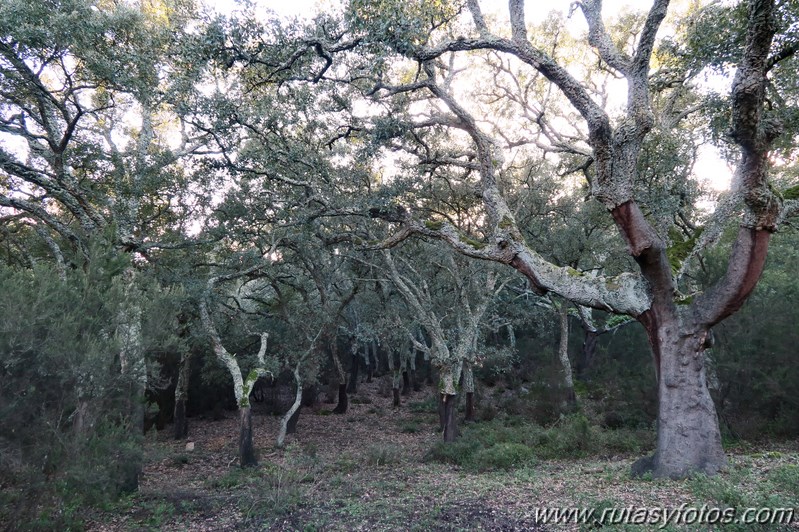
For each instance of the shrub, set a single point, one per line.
(509, 443)
(503, 456)
(379, 455)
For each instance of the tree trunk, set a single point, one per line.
(396, 392)
(587, 353)
(563, 354)
(288, 423)
(688, 435)
(343, 402)
(414, 379)
(468, 388)
(291, 426)
(448, 417)
(181, 396)
(80, 421)
(181, 423)
(406, 383)
(469, 407)
(246, 450)
(353, 385)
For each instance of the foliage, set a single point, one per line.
(68, 422)
(753, 359)
(512, 443)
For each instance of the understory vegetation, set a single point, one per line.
(373, 474)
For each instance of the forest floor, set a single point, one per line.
(371, 469)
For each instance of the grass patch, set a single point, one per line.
(503, 456)
(786, 479)
(380, 455)
(409, 427)
(718, 489)
(513, 443)
(361, 400)
(428, 406)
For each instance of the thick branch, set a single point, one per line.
(599, 38)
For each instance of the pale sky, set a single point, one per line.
(307, 8)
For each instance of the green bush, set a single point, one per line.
(69, 411)
(380, 455)
(459, 452)
(503, 456)
(509, 443)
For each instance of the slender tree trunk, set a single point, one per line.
(441, 413)
(181, 396)
(288, 424)
(395, 378)
(429, 380)
(587, 353)
(246, 449)
(414, 377)
(133, 365)
(353, 384)
(291, 426)
(343, 402)
(563, 354)
(80, 420)
(370, 365)
(406, 383)
(689, 439)
(468, 388)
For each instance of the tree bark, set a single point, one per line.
(468, 388)
(587, 353)
(689, 439)
(288, 423)
(246, 449)
(449, 421)
(406, 383)
(343, 401)
(414, 377)
(469, 407)
(181, 396)
(291, 426)
(563, 354)
(341, 407)
(353, 384)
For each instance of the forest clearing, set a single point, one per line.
(375, 468)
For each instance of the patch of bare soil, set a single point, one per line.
(366, 470)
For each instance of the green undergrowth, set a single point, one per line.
(510, 443)
(774, 493)
(270, 490)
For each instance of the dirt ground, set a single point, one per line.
(367, 470)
